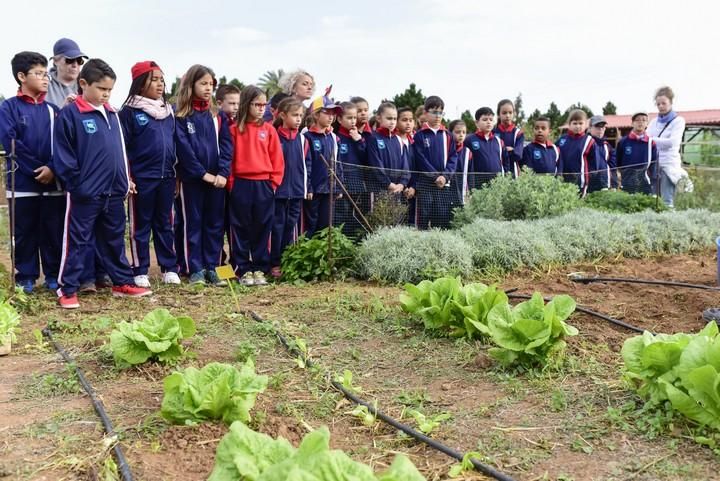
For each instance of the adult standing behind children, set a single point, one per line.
(298, 83)
(667, 130)
(67, 60)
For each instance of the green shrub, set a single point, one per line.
(307, 259)
(404, 254)
(623, 202)
(530, 196)
(706, 185)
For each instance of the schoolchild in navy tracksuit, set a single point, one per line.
(488, 150)
(149, 128)
(293, 190)
(541, 155)
(352, 156)
(390, 171)
(406, 131)
(461, 186)
(323, 147)
(512, 136)
(89, 158)
(204, 148)
(257, 172)
(637, 157)
(604, 155)
(28, 120)
(436, 161)
(577, 153)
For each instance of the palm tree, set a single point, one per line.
(270, 82)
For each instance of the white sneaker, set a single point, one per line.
(171, 278)
(142, 281)
(247, 279)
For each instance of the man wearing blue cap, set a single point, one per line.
(67, 60)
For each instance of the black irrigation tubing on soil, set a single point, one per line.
(97, 404)
(632, 280)
(585, 310)
(483, 468)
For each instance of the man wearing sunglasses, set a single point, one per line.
(67, 62)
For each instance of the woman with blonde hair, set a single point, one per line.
(667, 130)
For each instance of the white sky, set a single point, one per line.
(471, 53)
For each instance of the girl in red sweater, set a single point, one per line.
(256, 172)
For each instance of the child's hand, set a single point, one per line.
(309, 196)
(44, 174)
(398, 189)
(220, 181)
(70, 99)
(509, 149)
(354, 134)
(409, 193)
(391, 187)
(440, 182)
(132, 188)
(209, 178)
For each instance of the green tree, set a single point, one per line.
(609, 109)
(519, 112)
(554, 114)
(412, 97)
(469, 121)
(270, 82)
(223, 80)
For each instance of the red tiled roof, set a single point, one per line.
(692, 117)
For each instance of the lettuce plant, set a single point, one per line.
(157, 337)
(244, 454)
(531, 333)
(217, 391)
(682, 369)
(9, 321)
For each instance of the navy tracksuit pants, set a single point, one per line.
(285, 227)
(38, 236)
(103, 218)
(199, 227)
(151, 210)
(317, 214)
(252, 207)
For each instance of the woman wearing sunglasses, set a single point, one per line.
(67, 61)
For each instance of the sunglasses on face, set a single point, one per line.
(79, 61)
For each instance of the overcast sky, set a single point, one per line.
(471, 53)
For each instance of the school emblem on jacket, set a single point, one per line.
(317, 146)
(537, 155)
(262, 135)
(142, 119)
(381, 143)
(90, 126)
(426, 141)
(562, 142)
(475, 145)
(191, 128)
(343, 148)
(628, 149)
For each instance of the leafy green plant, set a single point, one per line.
(9, 321)
(217, 391)
(388, 211)
(307, 259)
(244, 454)
(465, 465)
(531, 333)
(623, 202)
(156, 337)
(530, 196)
(346, 379)
(447, 306)
(428, 424)
(681, 369)
(364, 415)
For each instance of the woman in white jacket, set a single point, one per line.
(667, 130)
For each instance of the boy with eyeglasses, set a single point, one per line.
(28, 120)
(435, 160)
(488, 151)
(67, 61)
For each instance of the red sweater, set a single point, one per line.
(257, 154)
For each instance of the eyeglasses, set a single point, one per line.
(40, 75)
(258, 105)
(437, 113)
(79, 61)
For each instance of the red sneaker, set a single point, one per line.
(130, 291)
(68, 302)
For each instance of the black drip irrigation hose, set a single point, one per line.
(483, 468)
(585, 310)
(122, 464)
(587, 280)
